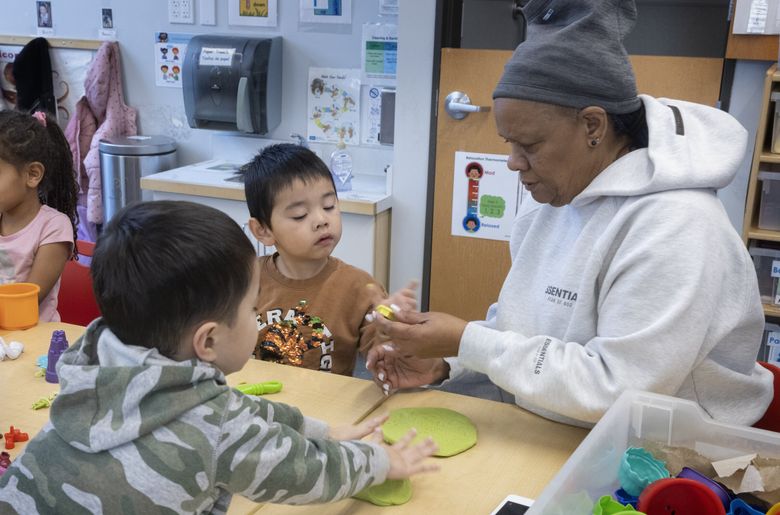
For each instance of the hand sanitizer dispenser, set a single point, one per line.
(233, 83)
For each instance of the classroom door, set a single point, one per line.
(466, 273)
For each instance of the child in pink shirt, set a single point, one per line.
(38, 195)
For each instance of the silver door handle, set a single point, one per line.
(458, 105)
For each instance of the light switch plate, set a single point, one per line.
(208, 12)
(181, 11)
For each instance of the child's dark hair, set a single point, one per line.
(24, 139)
(275, 168)
(158, 270)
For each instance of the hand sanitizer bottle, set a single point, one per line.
(341, 167)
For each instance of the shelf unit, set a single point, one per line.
(761, 156)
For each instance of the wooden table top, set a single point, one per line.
(517, 452)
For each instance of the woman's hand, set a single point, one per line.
(404, 299)
(392, 371)
(357, 431)
(424, 335)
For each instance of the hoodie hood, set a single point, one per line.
(690, 146)
(124, 391)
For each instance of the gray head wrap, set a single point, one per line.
(574, 56)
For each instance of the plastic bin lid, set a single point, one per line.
(137, 145)
(761, 251)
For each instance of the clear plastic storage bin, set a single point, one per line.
(769, 212)
(636, 418)
(764, 261)
(770, 345)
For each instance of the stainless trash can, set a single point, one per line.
(124, 160)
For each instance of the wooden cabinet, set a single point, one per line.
(763, 160)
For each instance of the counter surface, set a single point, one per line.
(211, 179)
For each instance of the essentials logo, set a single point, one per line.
(557, 295)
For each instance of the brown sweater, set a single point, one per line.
(316, 323)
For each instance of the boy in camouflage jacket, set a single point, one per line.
(144, 422)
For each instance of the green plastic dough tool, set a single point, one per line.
(391, 492)
(452, 432)
(260, 388)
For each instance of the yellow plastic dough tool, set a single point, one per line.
(452, 432)
(391, 492)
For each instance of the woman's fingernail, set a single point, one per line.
(395, 308)
(369, 317)
(387, 347)
(381, 376)
(386, 387)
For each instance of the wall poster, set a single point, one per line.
(485, 196)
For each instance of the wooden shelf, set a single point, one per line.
(772, 310)
(769, 157)
(763, 234)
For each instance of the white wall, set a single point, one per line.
(745, 105)
(416, 27)
(161, 109)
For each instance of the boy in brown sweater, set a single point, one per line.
(312, 306)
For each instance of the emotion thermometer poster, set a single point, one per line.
(484, 196)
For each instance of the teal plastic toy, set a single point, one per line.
(639, 468)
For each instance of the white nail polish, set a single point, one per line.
(395, 308)
(369, 317)
(386, 387)
(381, 376)
(387, 347)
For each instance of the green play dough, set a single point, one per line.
(452, 432)
(391, 492)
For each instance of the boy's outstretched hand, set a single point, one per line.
(407, 460)
(357, 431)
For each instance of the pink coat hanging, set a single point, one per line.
(101, 113)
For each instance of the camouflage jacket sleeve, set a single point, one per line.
(291, 416)
(262, 458)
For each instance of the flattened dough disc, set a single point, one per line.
(452, 432)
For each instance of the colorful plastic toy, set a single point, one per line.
(385, 311)
(606, 505)
(14, 436)
(680, 496)
(260, 388)
(723, 494)
(58, 345)
(740, 507)
(5, 462)
(623, 497)
(639, 468)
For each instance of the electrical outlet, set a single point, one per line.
(181, 11)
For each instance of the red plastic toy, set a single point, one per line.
(15, 436)
(679, 496)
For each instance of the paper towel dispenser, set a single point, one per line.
(233, 83)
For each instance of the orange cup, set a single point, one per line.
(18, 305)
(774, 510)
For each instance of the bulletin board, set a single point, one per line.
(70, 59)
